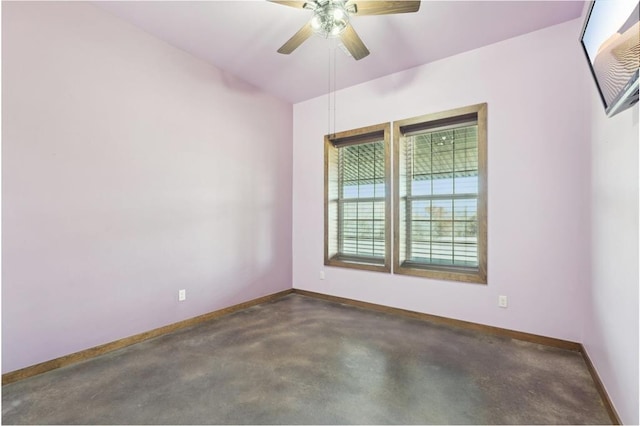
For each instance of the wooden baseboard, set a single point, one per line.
(613, 414)
(73, 358)
(519, 335)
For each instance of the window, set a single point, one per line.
(440, 195)
(357, 199)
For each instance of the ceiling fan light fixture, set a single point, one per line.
(330, 19)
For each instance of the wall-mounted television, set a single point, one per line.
(611, 40)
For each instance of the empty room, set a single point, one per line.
(320, 212)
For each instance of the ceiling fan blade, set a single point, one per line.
(386, 7)
(292, 3)
(352, 42)
(297, 39)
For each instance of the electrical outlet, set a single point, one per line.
(182, 295)
(502, 301)
(322, 275)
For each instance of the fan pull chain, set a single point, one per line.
(332, 89)
(335, 83)
(329, 92)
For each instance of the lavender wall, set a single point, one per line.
(130, 170)
(611, 330)
(538, 182)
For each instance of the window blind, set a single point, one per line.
(442, 196)
(361, 200)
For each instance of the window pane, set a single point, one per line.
(465, 209)
(421, 187)
(443, 188)
(361, 180)
(350, 229)
(442, 210)
(466, 184)
(442, 185)
(421, 231)
(350, 190)
(421, 209)
(349, 211)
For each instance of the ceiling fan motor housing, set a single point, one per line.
(330, 18)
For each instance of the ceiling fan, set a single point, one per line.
(331, 19)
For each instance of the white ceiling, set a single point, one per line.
(241, 37)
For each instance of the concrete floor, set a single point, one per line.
(300, 360)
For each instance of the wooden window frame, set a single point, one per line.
(470, 275)
(331, 144)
